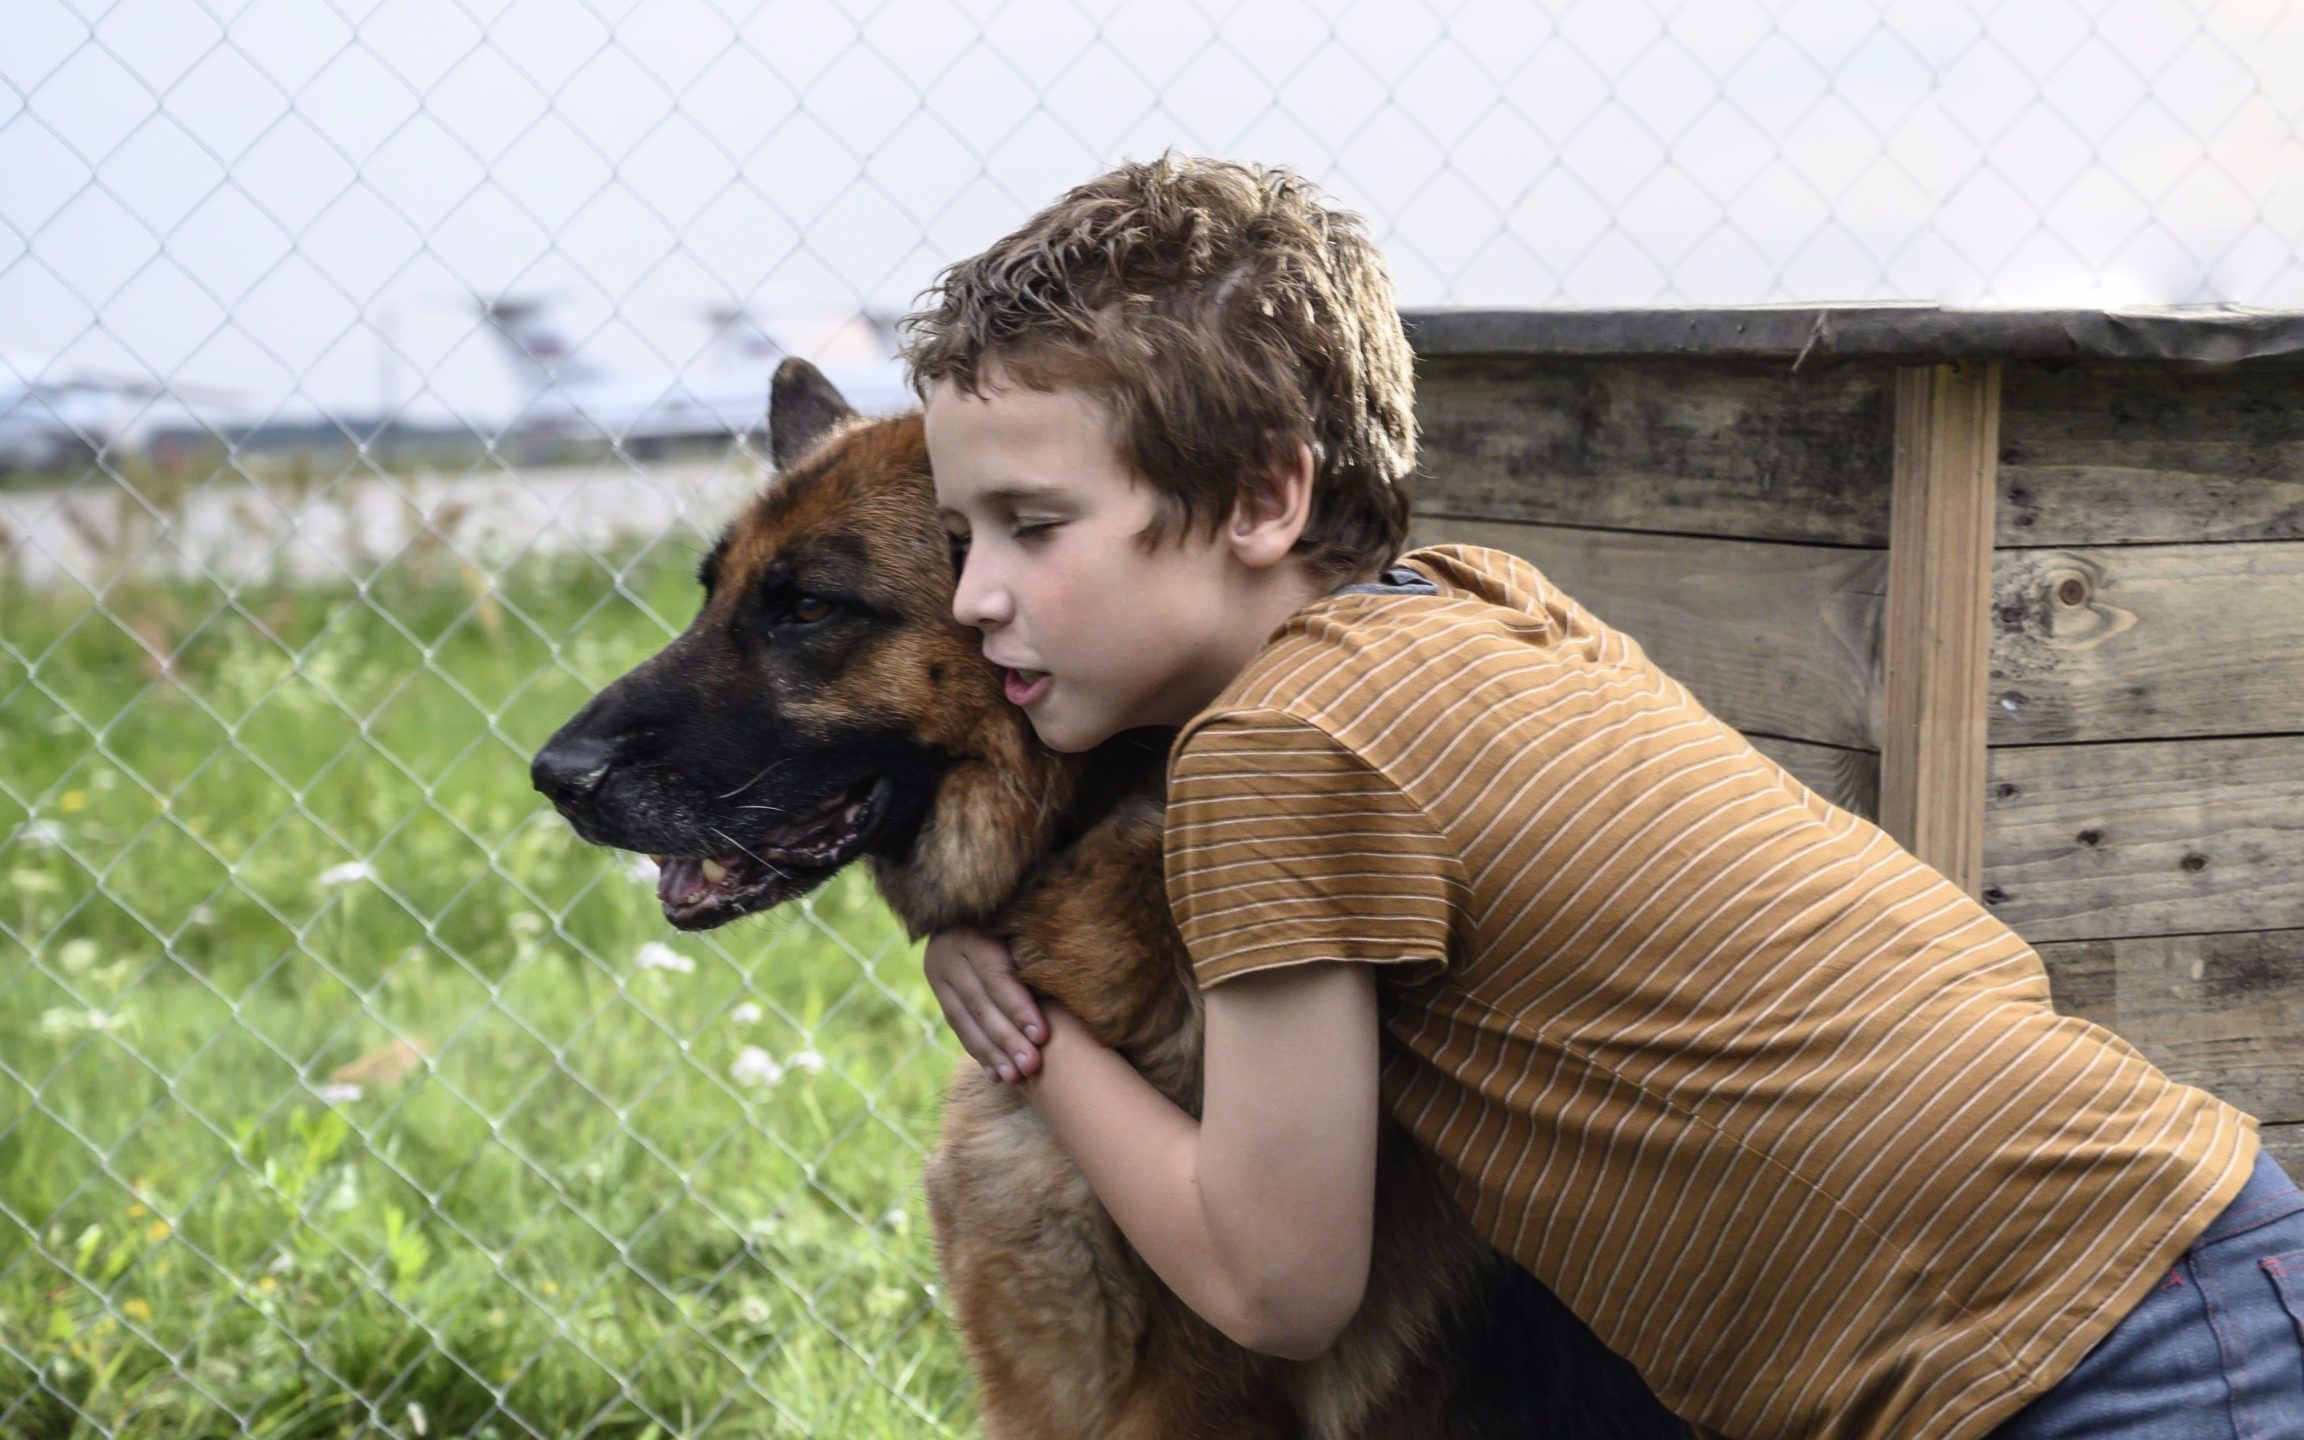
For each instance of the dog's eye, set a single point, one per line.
(808, 609)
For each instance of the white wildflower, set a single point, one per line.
(755, 1066)
(746, 1013)
(656, 955)
(351, 872)
(337, 1094)
(807, 1060)
(416, 1419)
(43, 834)
(63, 1020)
(79, 956)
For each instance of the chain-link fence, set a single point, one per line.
(373, 374)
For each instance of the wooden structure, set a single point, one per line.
(2027, 588)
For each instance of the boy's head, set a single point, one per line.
(1221, 317)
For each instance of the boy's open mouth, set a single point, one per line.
(701, 891)
(1025, 686)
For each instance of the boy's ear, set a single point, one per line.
(1268, 520)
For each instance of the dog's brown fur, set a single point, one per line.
(1068, 1332)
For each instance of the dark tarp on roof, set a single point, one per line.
(1812, 335)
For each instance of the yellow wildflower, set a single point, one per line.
(136, 1308)
(72, 802)
(156, 1232)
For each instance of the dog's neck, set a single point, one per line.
(996, 814)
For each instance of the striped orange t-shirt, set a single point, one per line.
(1780, 1112)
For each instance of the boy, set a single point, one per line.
(1782, 1114)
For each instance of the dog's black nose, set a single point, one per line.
(570, 768)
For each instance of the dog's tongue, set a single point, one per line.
(682, 883)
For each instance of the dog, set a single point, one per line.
(824, 708)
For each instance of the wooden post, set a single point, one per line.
(1936, 642)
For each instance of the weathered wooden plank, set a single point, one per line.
(2122, 454)
(1849, 779)
(2147, 838)
(1897, 332)
(2126, 643)
(1938, 631)
(1774, 639)
(2224, 1012)
(1687, 447)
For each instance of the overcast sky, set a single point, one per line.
(297, 199)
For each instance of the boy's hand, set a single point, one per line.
(995, 1017)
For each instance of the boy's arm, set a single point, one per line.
(1259, 1214)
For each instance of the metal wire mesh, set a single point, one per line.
(339, 1089)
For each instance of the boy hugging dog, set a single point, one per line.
(1782, 1114)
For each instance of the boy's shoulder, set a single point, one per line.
(1492, 577)
(1465, 587)
(1408, 638)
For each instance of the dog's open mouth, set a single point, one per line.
(701, 891)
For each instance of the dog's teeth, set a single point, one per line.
(714, 871)
(848, 816)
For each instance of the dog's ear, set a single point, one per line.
(803, 407)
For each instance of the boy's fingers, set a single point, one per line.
(960, 1018)
(1008, 1043)
(984, 1032)
(973, 1040)
(1017, 1006)
(993, 1013)
(992, 1001)
(994, 969)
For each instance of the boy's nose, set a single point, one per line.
(979, 601)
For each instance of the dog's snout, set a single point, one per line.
(569, 769)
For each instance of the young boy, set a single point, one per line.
(1782, 1114)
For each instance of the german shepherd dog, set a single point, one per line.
(823, 708)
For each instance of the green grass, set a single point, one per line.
(249, 839)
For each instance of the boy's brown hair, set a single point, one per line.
(1221, 314)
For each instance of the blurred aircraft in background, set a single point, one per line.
(722, 396)
(58, 418)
